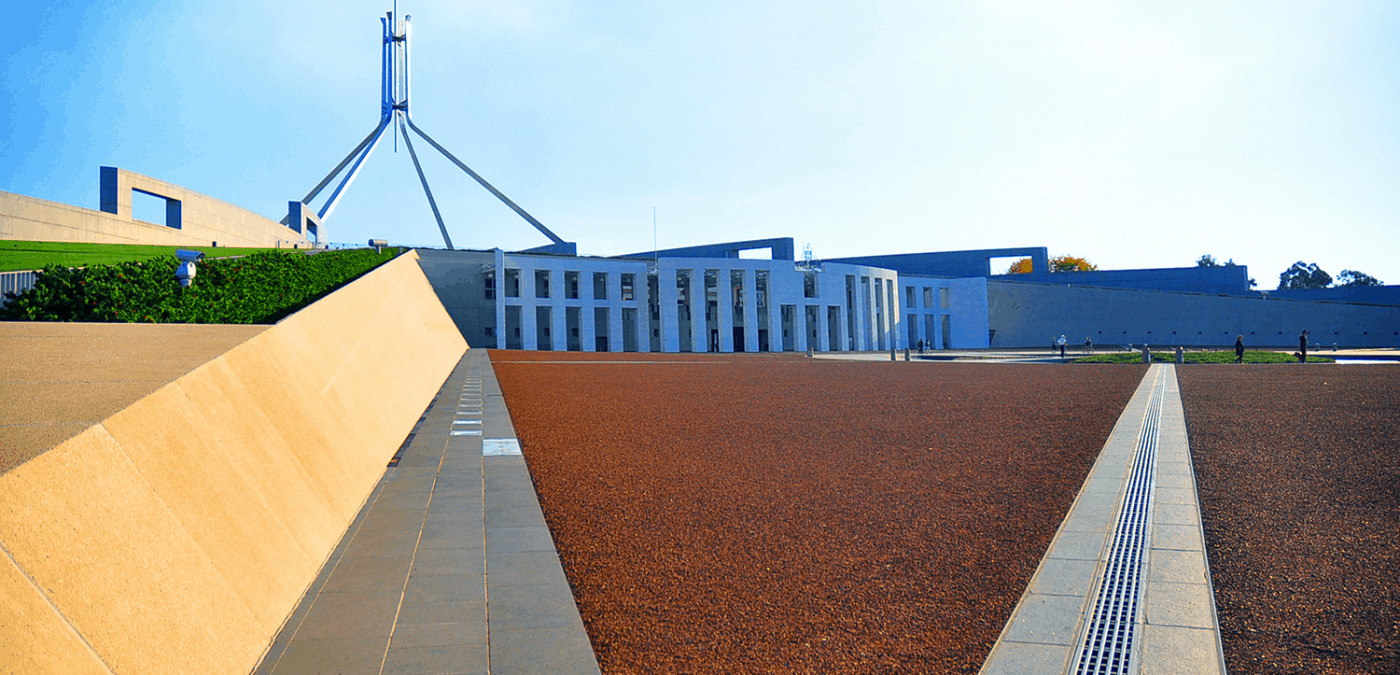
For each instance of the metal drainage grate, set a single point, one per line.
(1107, 645)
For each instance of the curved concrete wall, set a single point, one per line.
(178, 534)
(1030, 315)
(201, 219)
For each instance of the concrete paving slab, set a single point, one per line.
(520, 653)
(1027, 658)
(351, 614)
(519, 539)
(354, 656)
(1177, 537)
(440, 634)
(517, 608)
(450, 560)
(1187, 605)
(1076, 545)
(423, 588)
(1174, 650)
(436, 660)
(1047, 619)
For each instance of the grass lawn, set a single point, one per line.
(1169, 356)
(33, 255)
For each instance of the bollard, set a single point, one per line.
(1146, 354)
(906, 354)
(892, 358)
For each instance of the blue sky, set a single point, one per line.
(1134, 134)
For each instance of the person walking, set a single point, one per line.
(1239, 348)
(1303, 347)
(1062, 342)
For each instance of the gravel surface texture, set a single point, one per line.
(1299, 479)
(776, 514)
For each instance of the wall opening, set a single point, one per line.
(513, 337)
(601, 321)
(850, 345)
(789, 316)
(684, 280)
(152, 208)
(629, 329)
(654, 311)
(947, 332)
(736, 284)
(544, 340)
(512, 283)
(1003, 265)
(600, 285)
(571, 285)
(542, 283)
(629, 287)
(833, 330)
(572, 318)
(765, 253)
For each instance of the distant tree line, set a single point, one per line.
(1304, 276)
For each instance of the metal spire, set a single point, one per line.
(394, 93)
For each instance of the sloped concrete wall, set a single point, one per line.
(177, 535)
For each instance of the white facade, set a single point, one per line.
(724, 305)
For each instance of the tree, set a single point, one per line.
(1303, 276)
(1207, 260)
(1059, 263)
(1069, 263)
(1355, 278)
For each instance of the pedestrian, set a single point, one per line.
(1089, 345)
(1303, 347)
(1062, 342)
(1239, 348)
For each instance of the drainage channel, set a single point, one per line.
(1106, 646)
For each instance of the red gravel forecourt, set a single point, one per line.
(777, 514)
(1299, 481)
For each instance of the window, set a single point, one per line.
(489, 283)
(809, 285)
(908, 296)
(928, 297)
(513, 283)
(600, 285)
(571, 285)
(490, 331)
(944, 298)
(628, 282)
(542, 283)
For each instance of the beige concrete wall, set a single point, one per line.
(177, 535)
(204, 220)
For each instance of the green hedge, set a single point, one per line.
(260, 288)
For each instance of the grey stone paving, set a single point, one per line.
(449, 567)
(1176, 628)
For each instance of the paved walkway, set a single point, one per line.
(1169, 619)
(449, 567)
